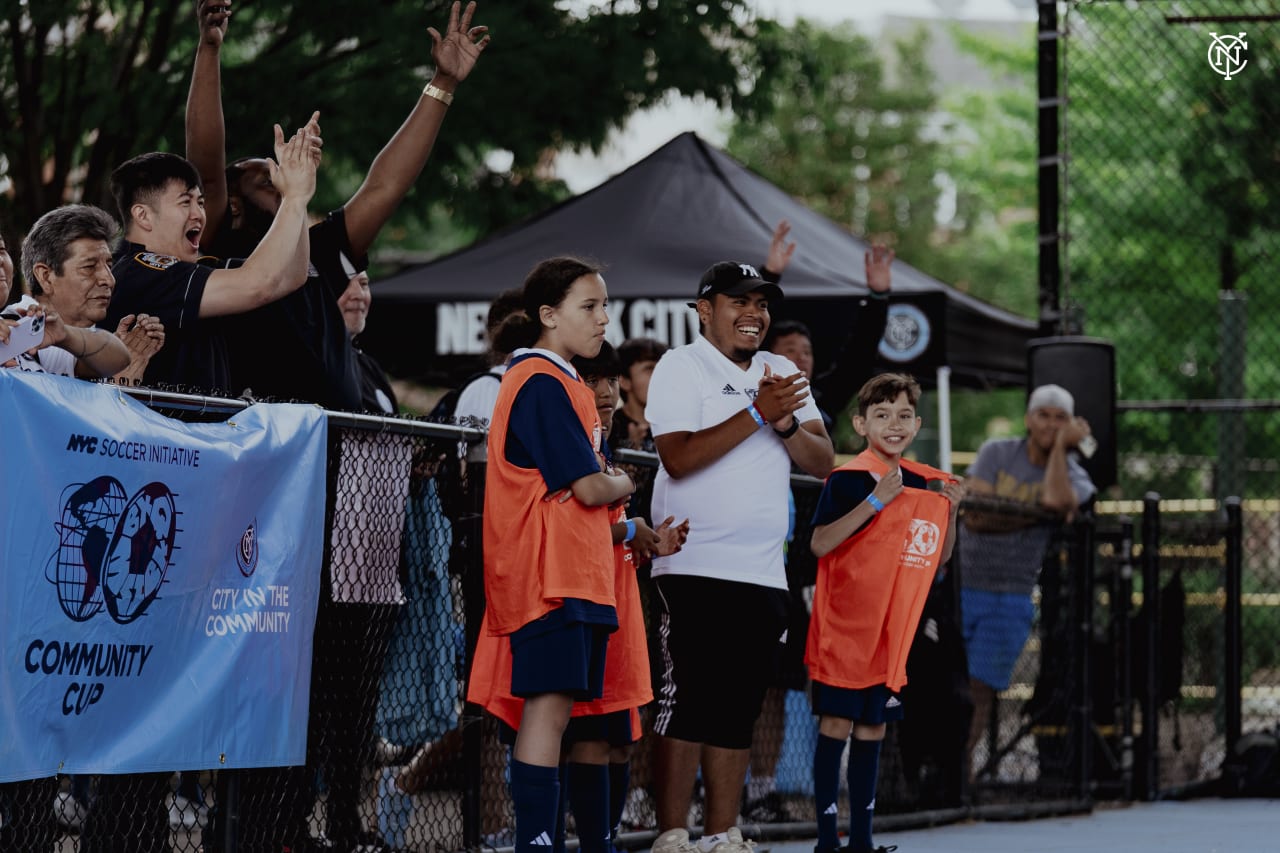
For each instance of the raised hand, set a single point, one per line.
(212, 16)
(779, 397)
(456, 52)
(294, 172)
(889, 487)
(1074, 432)
(955, 493)
(55, 331)
(143, 334)
(780, 251)
(312, 127)
(878, 259)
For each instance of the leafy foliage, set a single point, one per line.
(1168, 206)
(85, 84)
(876, 154)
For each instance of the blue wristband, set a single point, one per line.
(875, 502)
(631, 530)
(756, 416)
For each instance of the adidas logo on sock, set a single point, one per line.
(872, 805)
(728, 390)
(543, 840)
(831, 809)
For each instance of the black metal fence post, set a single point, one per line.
(1151, 680)
(1083, 594)
(1122, 607)
(1232, 666)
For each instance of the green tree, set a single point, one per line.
(843, 139)
(1168, 202)
(85, 84)
(876, 155)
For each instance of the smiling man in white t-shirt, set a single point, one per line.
(728, 421)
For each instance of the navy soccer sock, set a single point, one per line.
(619, 787)
(535, 794)
(826, 789)
(589, 799)
(864, 767)
(562, 807)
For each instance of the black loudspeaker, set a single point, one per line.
(1087, 368)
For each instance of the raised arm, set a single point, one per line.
(780, 252)
(1058, 495)
(855, 360)
(206, 130)
(278, 265)
(400, 162)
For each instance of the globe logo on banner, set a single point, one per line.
(1225, 54)
(906, 334)
(113, 551)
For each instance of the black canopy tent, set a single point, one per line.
(656, 227)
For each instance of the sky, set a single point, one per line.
(649, 130)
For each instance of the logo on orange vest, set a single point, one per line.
(924, 538)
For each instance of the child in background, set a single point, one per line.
(602, 734)
(548, 556)
(880, 536)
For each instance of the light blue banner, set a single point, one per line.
(158, 582)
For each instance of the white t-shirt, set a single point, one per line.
(55, 360)
(736, 506)
(475, 404)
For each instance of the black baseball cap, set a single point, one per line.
(734, 279)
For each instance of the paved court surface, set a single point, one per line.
(1195, 826)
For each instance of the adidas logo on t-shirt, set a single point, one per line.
(543, 840)
(728, 389)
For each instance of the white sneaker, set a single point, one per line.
(674, 841)
(735, 843)
(68, 811)
(187, 814)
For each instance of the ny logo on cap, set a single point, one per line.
(748, 271)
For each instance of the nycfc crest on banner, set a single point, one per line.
(159, 579)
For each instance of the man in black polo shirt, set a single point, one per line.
(298, 348)
(159, 269)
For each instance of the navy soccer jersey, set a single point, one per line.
(545, 432)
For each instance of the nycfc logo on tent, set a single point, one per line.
(1226, 54)
(906, 334)
(923, 538)
(113, 551)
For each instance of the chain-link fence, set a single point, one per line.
(1170, 242)
(1170, 233)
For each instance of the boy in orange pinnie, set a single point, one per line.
(880, 536)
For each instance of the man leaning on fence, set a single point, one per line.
(1001, 547)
